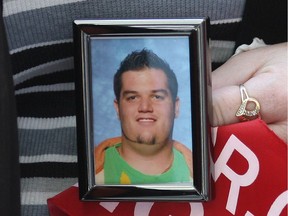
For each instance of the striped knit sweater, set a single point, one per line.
(39, 35)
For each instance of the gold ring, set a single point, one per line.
(243, 113)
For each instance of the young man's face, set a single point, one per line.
(146, 108)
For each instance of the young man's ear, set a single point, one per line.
(116, 107)
(177, 107)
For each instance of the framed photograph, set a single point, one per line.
(143, 99)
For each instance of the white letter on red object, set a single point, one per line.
(237, 181)
(279, 204)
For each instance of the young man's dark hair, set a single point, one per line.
(138, 60)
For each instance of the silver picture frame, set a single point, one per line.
(99, 43)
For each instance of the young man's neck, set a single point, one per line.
(149, 159)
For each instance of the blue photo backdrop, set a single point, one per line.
(106, 55)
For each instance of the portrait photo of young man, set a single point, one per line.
(146, 103)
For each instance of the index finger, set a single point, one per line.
(238, 69)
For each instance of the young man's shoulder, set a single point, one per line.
(99, 152)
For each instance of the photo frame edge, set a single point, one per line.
(85, 185)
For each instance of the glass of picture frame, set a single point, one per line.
(110, 120)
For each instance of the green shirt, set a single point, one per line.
(118, 171)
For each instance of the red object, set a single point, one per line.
(249, 177)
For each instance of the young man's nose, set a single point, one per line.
(145, 105)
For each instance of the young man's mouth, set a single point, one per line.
(148, 120)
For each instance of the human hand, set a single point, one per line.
(263, 72)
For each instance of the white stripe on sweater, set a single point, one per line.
(18, 6)
(36, 198)
(49, 43)
(46, 123)
(47, 68)
(36, 191)
(48, 158)
(49, 184)
(225, 21)
(47, 88)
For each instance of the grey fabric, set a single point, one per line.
(59, 18)
(53, 141)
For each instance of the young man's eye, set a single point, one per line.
(158, 97)
(131, 98)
